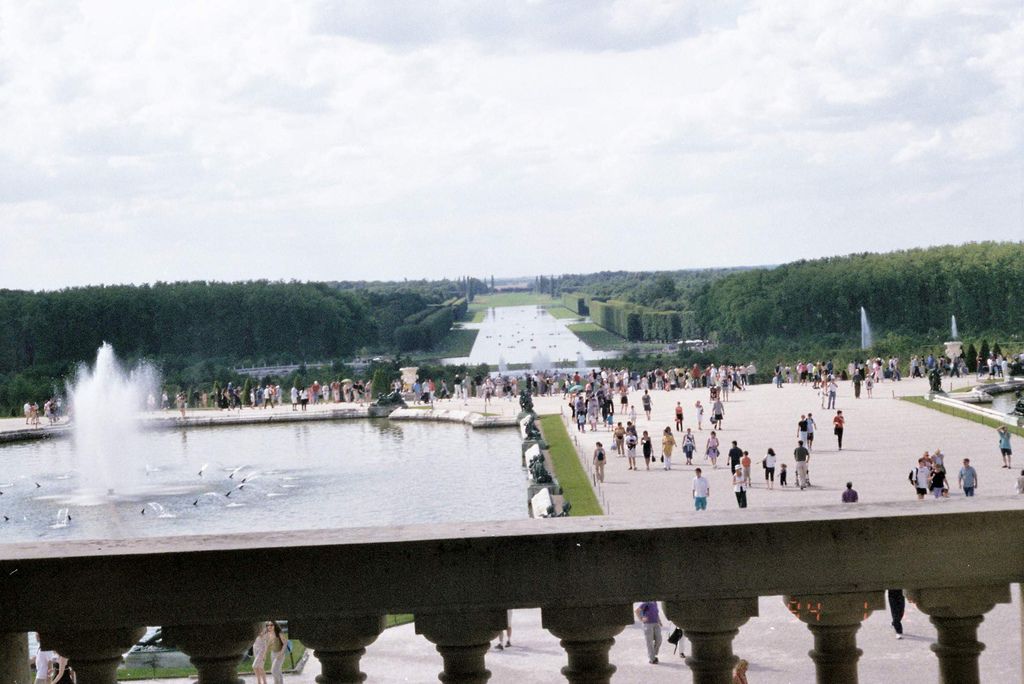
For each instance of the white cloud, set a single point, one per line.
(347, 140)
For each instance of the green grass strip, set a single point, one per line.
(960, 413)
(559, 311)
(596, 337)
(573, 479)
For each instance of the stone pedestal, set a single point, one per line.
(587, 634)
(215, 650)
(834, 620)
(956, 613)
(462, 639)
(711, 625)
(94, 654)
(339, 644)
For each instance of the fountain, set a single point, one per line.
(954, 348)
(954, 334)
(865, 330)
(541, 363)
(106, 400)
(502, 365)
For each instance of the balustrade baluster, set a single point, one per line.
(215, 650)
(94, 653)
(338, 644)
(586, 634)
(710, 625)
(956, 613)
(462, 639)
(834, 620)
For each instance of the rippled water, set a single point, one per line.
(352, 473)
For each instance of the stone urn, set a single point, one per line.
(409, 375)
(954, 349)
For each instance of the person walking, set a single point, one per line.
(647, 447)
(1004, 445)
(701, 491)
(711, 449)
(735, 456)
(769, 468)
(968, 478)
(699, 409)
(599, 461)
(833, 389)
(802, 458)
(717, 413)
(668, 442)
(745, 462)
(631, 441)
(650, 618)
(278, 651)
(646, 401)
(259, 652)
(937, 481)
(739, 486)
(838, 425)
(801, 429)
(689, 446)
(739, 675)
(850, 495)
(679, 416)
(897, 607)
(919, 477)
(811, 425)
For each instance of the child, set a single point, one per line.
(782, 475)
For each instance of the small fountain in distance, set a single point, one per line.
(866, 339)
(106, 400)
(954, 348)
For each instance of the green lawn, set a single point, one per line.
(559, 311)
(960, 413)
(597, 337)
(457, 342)
(571, 476)
(478, 316)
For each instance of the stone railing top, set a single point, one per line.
(514, 564)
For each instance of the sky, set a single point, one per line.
(385, 140)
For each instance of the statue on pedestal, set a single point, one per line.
(526, 401)
(935, 380)
(538, 473)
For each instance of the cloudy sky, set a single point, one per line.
(378, 139)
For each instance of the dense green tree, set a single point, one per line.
(971, 358)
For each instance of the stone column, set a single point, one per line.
(338, 644)
(586, 634)
(710, 625)
(14, 668)
(215, 650)
(834, 620)
(462, 639)
(956, 613)
(95, 653)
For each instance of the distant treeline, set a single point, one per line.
(250, 320)
(912, 293)
(634, 322)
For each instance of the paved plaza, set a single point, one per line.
(884, 437)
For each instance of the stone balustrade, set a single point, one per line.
(831, 565)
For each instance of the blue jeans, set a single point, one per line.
(968, 491)
(700, 503)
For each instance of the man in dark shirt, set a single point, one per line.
(802, 458)
(735, 454)
(850, 495)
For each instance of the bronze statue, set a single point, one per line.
(538, 472)
(526, 401)
(393, 399)
(935, 380)
(532, 431)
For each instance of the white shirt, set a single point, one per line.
(43, 659)
(700, 487)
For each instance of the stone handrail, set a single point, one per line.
(581, 571)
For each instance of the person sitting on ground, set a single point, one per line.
(850, 495)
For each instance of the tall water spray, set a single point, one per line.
(106, 400)
(865, 330)
(954, 333)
